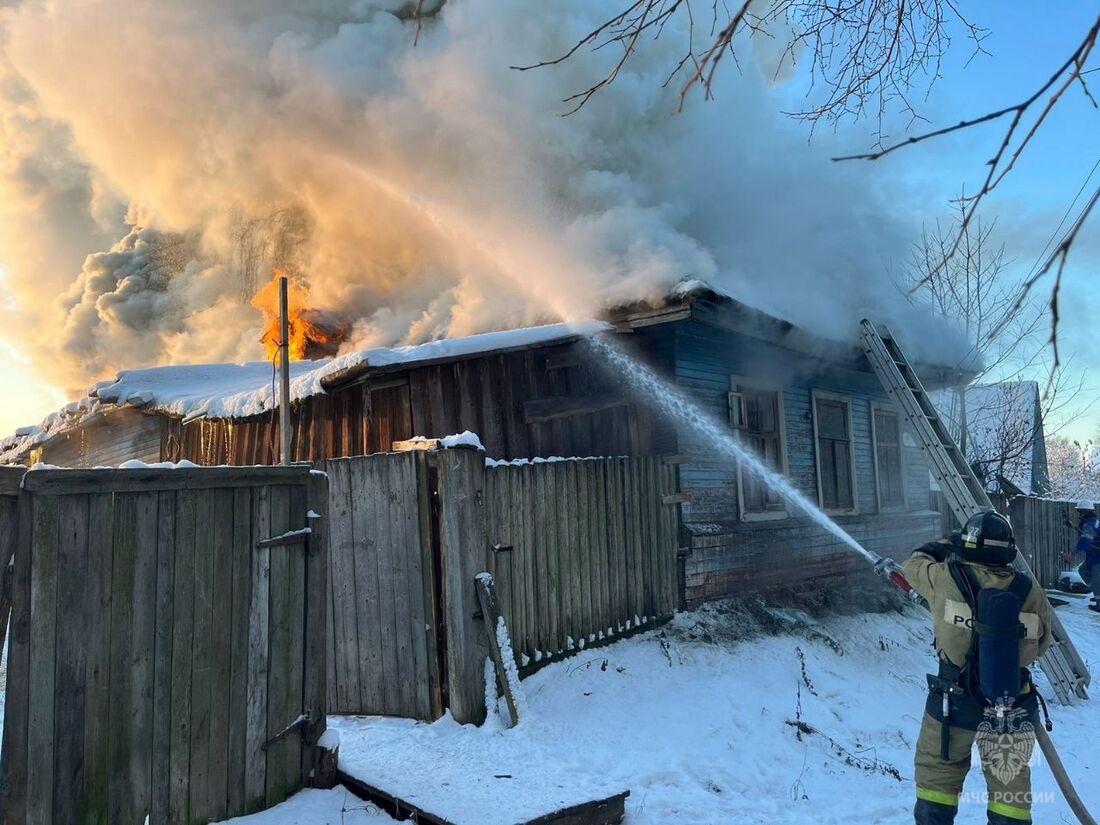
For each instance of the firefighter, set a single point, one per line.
(970, 586)
(1088, 544)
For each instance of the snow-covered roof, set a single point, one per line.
(1002, 435)
(191, 391)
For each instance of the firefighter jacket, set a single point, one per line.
(1089, 542)
(952, 620)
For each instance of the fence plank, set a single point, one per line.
(143, 625)
(43, 656)
(120, 718)
(531, 565)
(462, 538)
(586, 524)
(73, 619)
(296, 616)
(315, 681)
(367, 596)
(221, 659)
(183, 611)
(652, 509)
(345, 588)
(203, 626)
(615, 547)
(279, 641)
(258, 652)
(240, 551)
(381, 555)
(160, 791)
(97, 700)
(405, 547)
(602, 526)
(542, 545)
(17, 711)
(428, 566)
(518, 561)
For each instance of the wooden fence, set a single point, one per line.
(384, 655)
(1045, 530)
(581, 550)
(167, 625)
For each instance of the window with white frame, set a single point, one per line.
(757, 416)
(836, 486)
(889, 472)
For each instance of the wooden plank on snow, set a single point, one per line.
(494, 624)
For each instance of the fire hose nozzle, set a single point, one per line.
(891, 571)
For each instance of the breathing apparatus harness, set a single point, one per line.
(991, 676)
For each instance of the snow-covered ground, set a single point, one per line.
(813, 723)
(731, 714)
(313, 807)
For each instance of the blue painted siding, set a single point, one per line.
(732, 555)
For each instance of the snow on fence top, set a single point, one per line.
(192, 391)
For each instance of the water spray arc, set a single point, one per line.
(678, 406)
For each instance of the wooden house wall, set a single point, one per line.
(730, 555)
(108, 441)
(488, 395)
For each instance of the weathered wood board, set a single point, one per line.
(157, 644)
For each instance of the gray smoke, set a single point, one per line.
(161, 158)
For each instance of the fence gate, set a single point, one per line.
(167, 627)
(384, 620)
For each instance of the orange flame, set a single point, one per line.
(310, 335)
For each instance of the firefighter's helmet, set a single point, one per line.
(987, 539)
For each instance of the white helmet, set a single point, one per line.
(1085, 505)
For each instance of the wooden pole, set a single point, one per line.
(284, 373)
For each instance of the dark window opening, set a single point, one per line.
(834, 453)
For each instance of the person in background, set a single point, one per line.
(1088, 544)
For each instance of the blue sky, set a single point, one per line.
(1025, 45)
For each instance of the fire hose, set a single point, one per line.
(892, 572)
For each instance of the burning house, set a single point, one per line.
(811, 408)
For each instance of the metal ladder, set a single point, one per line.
(966, 496)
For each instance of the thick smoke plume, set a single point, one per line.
(159, 159)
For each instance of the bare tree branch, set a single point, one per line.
(862, 53)
(1004, 160)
